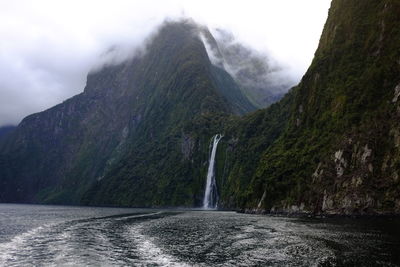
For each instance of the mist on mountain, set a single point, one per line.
(45, 55)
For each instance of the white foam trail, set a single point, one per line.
(150, 253)
(210, 200)
(138, 216)
(9, 249)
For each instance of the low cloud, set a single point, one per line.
(250, 67)
(48, 47)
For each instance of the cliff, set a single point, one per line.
(338, 151)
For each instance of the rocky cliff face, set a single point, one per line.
(339, 150)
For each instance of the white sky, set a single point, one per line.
(47, 47)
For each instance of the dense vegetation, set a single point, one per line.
(339, 151)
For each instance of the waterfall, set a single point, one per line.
(210, 194)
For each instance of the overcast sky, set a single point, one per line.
(47, 47)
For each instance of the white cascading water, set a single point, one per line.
(210, 200)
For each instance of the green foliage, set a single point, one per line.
(343, 101)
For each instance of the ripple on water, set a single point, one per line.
(149, 252)
(197, 239)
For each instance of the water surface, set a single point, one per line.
(35, 235)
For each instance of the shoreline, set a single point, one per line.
(388, 215)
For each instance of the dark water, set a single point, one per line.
(33, 235)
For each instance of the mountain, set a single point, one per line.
(130, 126)
(140, 133)
(338, 149)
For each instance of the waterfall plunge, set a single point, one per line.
(210, 194)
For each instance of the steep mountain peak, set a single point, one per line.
(258, 77)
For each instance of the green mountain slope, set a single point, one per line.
(339, 150)
(134, 112)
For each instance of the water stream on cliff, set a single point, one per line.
(210, 200)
